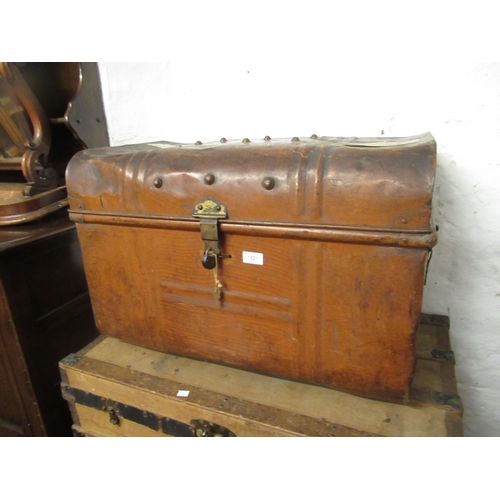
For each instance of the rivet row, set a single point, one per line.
(268, 183)
(246, 140)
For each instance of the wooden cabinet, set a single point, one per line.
(45, 314)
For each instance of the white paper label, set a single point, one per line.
(253, 258)
(183, 394)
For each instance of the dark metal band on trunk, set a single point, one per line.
(139, 416)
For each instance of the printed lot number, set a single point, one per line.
(253, 258)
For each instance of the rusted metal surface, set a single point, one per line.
(342, 227)
(333, 181)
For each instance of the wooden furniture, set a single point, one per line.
(45, 314)
(48, 112)
(117, 389)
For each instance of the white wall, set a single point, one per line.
(458, 103)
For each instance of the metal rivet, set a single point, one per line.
(209, 179)
(217, 208)
(223, 139)
(404, 221)
(199, 207)
(78, 120)
(314, 136)
(158, 183)
(246, 140)
(267, 138)
(198, 143)
(268, 183)
(295, 139)
(405, 240)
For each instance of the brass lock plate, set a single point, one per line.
(210, 209)
(209, 212)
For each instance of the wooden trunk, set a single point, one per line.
(301, 258)
(118, 389)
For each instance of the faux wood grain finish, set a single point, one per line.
(344, 233)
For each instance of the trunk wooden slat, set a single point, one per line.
(124, 376)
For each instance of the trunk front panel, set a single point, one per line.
(336, 314)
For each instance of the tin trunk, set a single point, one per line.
(303, 259)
